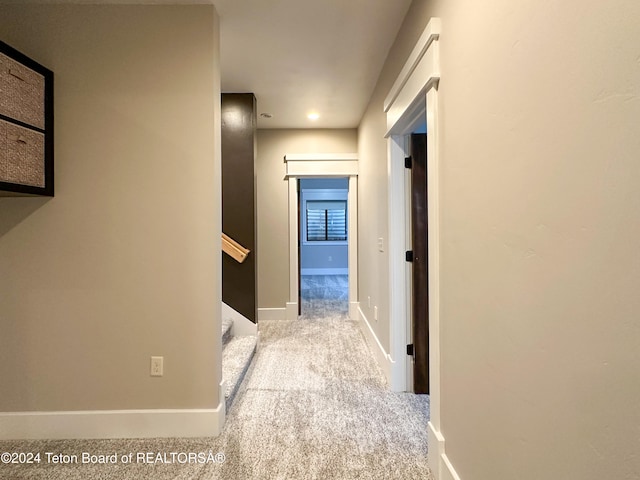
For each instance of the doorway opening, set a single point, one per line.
(323, 249)
(412, 102)
(331, 166)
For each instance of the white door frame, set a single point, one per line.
(322, 165)
(412, 100)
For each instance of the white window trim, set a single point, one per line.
(321, 194)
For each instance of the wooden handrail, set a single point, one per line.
(234, 249)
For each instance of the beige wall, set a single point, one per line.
(373, 221)
(273, 203)
(122, 264)
(540, 206)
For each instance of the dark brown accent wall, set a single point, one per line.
(239, 125)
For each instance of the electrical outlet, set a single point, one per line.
(381, 244)
(330, 258)
(157, 366)
(375, 313)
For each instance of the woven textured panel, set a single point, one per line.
(21, 155)
(21, 92)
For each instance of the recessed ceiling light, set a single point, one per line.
(313, 116)
(266, 115)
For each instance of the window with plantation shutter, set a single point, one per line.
(324, 216)
(326, 220)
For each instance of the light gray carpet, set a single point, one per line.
(324, 295)
(236, 358)
(314, 405)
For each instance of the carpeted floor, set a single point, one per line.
(314, 405)
(324, 295)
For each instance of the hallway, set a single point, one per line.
(314, 405)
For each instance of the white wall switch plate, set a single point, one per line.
(381, 244)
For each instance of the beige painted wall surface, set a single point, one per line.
(273, 201)
(373, 191)
(122, 264)
(540, 174)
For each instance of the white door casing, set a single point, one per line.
(412, 100)
(322, 165)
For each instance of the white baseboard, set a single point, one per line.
(272, 314)
(438, 461)
(447, 470)
(353, 310)
(292, 310)
(242, 326)
(436, 449)
(382, 357)
(324, 271)
(112, 424)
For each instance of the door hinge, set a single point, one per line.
(410, 349)
(407, 162)
(408, 255)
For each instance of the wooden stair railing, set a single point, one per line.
(234, 249)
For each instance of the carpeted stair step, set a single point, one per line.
(236, 358)
(227, 323)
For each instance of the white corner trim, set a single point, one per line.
(435, 441)
(430, 34)
(242, 326)
(292, 311)
(112, 424)
(321, 157)
(440, 465)
(272, 314)
(353, 310)
(381, 356)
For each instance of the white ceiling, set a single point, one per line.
(299, 56)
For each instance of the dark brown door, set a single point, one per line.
(299, 245)
(420, 307)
